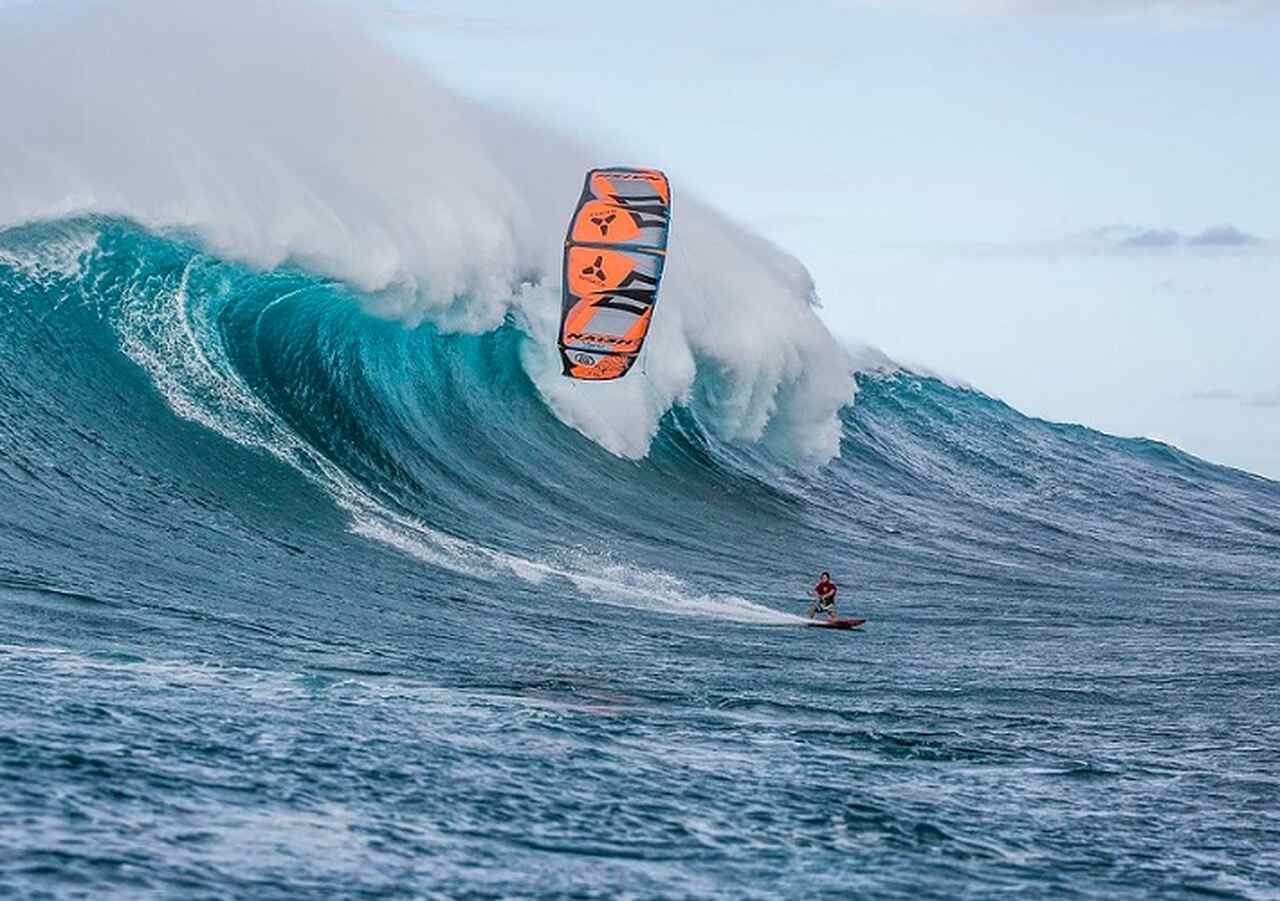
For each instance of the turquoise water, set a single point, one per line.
(296, 602)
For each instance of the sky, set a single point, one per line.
(1069, 204)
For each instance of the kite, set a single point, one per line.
(613, 259)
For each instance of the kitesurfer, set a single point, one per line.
(826, 594)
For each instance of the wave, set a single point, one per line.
(331, 154)
(439, 444)
(444, 446)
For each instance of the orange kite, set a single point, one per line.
(613, 258)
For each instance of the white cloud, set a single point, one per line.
(1187, 10)
(1127, 237)
(1262, 399)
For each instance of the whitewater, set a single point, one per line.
(318, 580)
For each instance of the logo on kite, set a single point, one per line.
(602, 222)
(595, 269)
(613, 311)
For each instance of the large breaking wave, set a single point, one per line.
(442, 445)
(328, 152)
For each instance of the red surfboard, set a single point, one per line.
(835, 623)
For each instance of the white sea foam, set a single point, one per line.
(596, 579)
(56, 256)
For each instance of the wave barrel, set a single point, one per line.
(613, 258)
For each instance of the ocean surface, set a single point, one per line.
(299, 601)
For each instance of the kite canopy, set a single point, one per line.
(613, 258)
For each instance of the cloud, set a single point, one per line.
(1217, 394)
(1262, 399)
(1153, 237)
(1184, 10)
(1138, 241)
(1139, 237)
(1199, 9)
(462, 25)
(1222, 236)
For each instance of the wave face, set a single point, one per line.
(480, 634)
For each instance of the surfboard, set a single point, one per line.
(835, 623)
